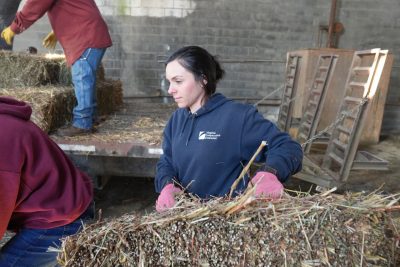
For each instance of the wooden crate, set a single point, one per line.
(308, 62)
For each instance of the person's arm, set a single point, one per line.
(9, 184)
(8, 9)
(29, 14)
(165, 172)
(282, 155)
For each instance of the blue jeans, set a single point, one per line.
(84, 80)
(29, 246)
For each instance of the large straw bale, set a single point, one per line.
(27, 70)
(318, 230)
(51, 105)
(18, 69)
(109, 95)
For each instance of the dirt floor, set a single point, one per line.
(386, 181)
(126, 195)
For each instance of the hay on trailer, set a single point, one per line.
(123, 129)
(311, 230)
(27, 70)
(18, 69)
(109, 96)
(52, 105)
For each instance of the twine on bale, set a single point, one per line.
(303, 230)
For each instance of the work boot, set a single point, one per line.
(71, 130)
(98, 120)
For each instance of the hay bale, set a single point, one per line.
(18, 69)
(318, 230)
(27, 70)
(109, 96)
(51, 106)
(101, 74)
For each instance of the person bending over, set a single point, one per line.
(43, 196)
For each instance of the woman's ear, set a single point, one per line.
(204, 79)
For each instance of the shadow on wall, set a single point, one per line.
(113, 60)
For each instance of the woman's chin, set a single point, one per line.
(181, 105)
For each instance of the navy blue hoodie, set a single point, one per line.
(206, 151)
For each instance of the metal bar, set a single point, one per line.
(332, 18)
(243, 61)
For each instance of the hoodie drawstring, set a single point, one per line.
(184, 125)
(191, 128)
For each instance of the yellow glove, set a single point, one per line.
(50, 41)
(7, 34)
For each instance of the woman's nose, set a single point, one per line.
(171, 90)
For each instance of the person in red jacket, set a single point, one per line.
(84, 37)
(43, 196)
(8, 8)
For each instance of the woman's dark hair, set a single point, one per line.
(202, 64)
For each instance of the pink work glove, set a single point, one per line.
(267, 185)
(166, 199)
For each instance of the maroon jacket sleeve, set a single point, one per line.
(31, 12)
(9, 184)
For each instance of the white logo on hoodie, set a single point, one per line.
(206, 135)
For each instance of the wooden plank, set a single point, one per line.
(372, 128)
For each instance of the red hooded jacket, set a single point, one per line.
(40, 188)
(77, 24)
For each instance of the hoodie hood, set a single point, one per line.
(15, 108)
(212, 103)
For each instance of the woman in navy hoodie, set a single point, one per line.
(209, 138)
(43, 196)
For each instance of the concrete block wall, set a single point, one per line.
(251, 38)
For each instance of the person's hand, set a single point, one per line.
(267, 185)
(166, 199)
(50, 41)
(7, 34)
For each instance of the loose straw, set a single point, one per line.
(247, 167)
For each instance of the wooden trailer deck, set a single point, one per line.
(126, 143)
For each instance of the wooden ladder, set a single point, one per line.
(361, 85)
(285, 111)
(322, 77)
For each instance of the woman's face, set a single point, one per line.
(186, 91)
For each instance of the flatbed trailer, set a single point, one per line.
(126, 143)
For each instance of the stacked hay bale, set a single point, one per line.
(303, 230)
(45, 83)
